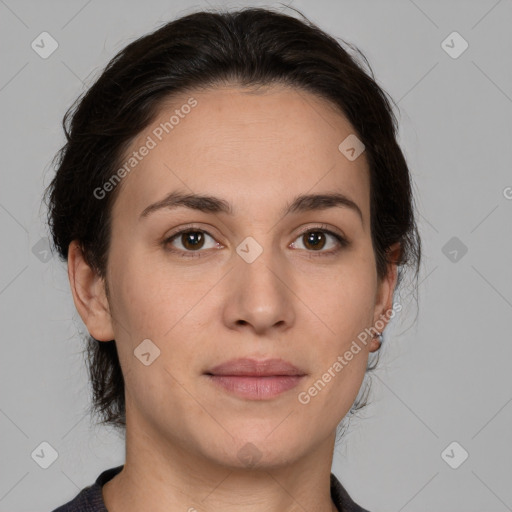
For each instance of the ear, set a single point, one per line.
(89, 295)
(384, 295)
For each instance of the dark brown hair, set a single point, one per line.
(248, 47)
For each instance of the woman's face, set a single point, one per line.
(246, 283)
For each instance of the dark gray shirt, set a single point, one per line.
(90, 498)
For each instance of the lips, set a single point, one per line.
(251, 379)
(253, 368)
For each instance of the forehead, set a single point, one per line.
(253, 147)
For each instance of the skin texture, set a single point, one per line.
(257, 150)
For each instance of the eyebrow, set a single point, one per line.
(211, 204)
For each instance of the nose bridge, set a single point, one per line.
(260, 284)
(262, 265)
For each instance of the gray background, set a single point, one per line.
(445, 373)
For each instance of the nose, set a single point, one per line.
(260, 296)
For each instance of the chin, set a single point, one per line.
(256, 448)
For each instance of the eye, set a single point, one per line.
(191, 240)
(316, 239)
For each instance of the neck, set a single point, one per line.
(163, 475)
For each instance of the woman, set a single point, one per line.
(236, 215)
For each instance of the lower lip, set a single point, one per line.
(256, 388)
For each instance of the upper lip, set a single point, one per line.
(252, 367)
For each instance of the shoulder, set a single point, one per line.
(82, 502)
(90, 498)
(342, 499)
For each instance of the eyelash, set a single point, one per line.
(343, 242)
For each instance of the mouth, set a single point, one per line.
(255, 380)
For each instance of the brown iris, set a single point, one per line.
(192, 240)
(313, 237)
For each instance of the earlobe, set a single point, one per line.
(385, 291)
(89, 296)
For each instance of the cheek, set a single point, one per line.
(149, 298)
(157, 303)
(150, 305)
(344, 302)
(327, 396)
(345, 299)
